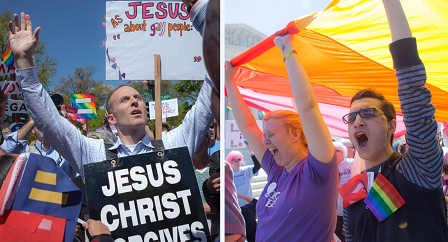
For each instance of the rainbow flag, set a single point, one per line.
(8, 57)
(228, 108)
(85, 103)
(383, 199)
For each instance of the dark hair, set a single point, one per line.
(401, 147)
(58, 100)
(6, 162)
(386, 107)
(166, 126)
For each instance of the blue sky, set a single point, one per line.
(268, 16)
(71, 30)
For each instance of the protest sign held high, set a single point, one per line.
(147, 197)
(139, 29)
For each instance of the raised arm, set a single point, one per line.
(398, 23)
(422, 163)
(59, 132)
(243, 117)
(25, 130)
(194, 125)
(316, 132)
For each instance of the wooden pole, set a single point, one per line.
(158, 102)
(87, 126)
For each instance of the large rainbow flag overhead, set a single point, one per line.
(344, 49)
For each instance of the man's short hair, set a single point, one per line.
(166, 126)
(6, 162)
(109, 107)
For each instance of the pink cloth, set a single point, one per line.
(332, 114)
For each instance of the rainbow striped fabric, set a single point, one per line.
(8, 57)
(85, 103)
(383, 199)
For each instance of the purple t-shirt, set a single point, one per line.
(299, 205)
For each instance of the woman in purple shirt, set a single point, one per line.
(299, 200)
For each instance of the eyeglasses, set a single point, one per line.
(364, 113)
(236, 160)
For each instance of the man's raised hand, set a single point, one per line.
(22, 40)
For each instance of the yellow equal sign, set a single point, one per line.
(45, 195)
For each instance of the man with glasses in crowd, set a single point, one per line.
(418, 212)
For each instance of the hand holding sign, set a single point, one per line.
(95, 227)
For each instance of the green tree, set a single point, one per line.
(81, 82)
(46, 65)
(166, 87)
(97, 122)
(4, 20)
(187, 91)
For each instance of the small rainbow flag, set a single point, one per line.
(8, 57)
(383, 199)
(228, 108)
(85, 103)
(261, 113)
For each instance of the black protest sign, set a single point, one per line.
(147, 197)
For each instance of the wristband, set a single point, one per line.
(289, 54)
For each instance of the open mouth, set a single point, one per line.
(136, 112)
(362, 139)
(273, 151)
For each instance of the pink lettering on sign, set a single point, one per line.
(174, 10)
(134, 6)
(146, 12)
(162, 10)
